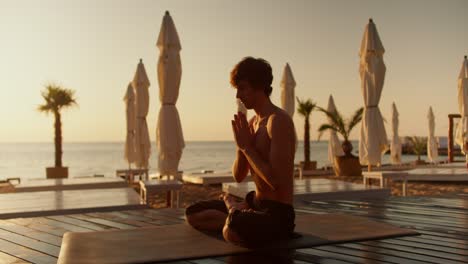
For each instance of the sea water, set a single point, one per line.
(29, 160)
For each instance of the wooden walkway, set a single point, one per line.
(30, 204)
(443, 224)
(38, 185)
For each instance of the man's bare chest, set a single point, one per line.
(262, 140)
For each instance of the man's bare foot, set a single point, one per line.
(231, 202)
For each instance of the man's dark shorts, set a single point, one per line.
(271, 220)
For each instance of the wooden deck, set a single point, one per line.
(435, 174)
(317, 189)
(439, 174)
(37, 185)
(443, 224)
(72, 201)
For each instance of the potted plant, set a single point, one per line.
(305, 108)
(57, 98)
(418, 145)
(348, 164)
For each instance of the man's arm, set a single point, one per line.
(240, 167)
(282, 149)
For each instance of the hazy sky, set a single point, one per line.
(93, 47)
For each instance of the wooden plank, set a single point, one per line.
(368, 256)
(28, 232)
(40, 227)
(330, 255)
(74, 221)
(25, 253)
(440, 221)
(409, 255)
(124, 215)
(66, 226)
(158, 216)
(5, 258)
(103, 222)
(45, 248)
(121, 220)
(434, 240)
(447, 258)
(427, 246)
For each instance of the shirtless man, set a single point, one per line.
(265, 147)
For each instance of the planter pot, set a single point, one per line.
(57, 172)
(347, 166)
(419, 162)
(311, 166)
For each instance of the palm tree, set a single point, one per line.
(305, 108)
(419, 145)
(338, 124)
(57, 98)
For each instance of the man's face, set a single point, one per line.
(247, 94)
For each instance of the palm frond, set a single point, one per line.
(355, 119)
(419, 144)
(323, 128)
(305, 107)
(336, 120)
(56, 98)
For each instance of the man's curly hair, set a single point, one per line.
(255, 71)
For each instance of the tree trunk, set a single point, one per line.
(347, 148)
(58, 140)
(306, 141)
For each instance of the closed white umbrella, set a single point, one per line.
(432, 151)
(287, 91)
(129, 152)
(461, 135)
(169, 135)
(395, 147)
(334, 145)
(373, 138)
(142, 141)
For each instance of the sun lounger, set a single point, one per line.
(30, 204)
(432, 174)
(129, 174)
(317, 189)
(385, 177)
(151, 187)
(180, 241)
(37, 185)
(428, 174)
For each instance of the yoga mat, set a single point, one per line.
(178, 242)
